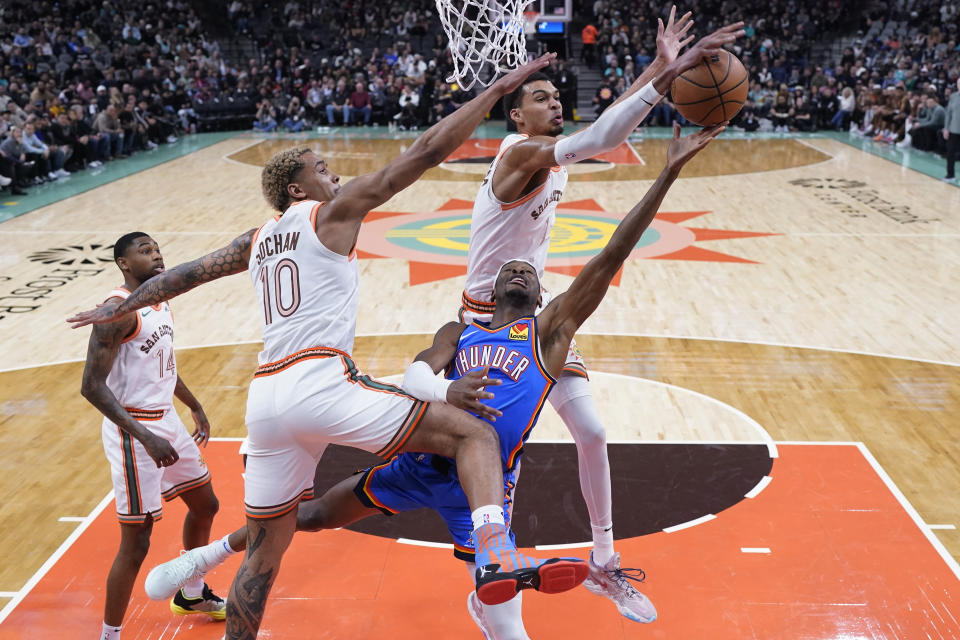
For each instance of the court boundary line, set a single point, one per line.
(905, 504)
(54, 557)
(253, 143)
(622, 334)
(911, 511)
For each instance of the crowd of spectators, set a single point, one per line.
(891, 84)
(83, 82)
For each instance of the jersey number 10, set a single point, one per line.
(286, 289)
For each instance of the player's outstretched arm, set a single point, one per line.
(231, 259)
(420, 379)
(615, 124)
(105, 340)
(564, 315)
(369, 191)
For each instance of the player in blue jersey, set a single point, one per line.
(518, 352)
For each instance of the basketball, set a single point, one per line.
(713, 91)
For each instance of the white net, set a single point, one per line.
(486, 37)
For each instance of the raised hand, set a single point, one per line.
(515, 78)
(670, 38)
(682, 149)
(104, 313)
(467, 392)
(708, 46)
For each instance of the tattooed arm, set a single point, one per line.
(229, 260)
(105, 340)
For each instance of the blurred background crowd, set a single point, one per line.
(85, 82)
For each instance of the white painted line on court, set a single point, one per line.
(755, 549)
(753, 493)
(692, 523)
(72, 519)
(942, 550)
(764, 343)
(253, 143)
(570, 545)
(423, 543)
(948, 527)
(8, 594)
(52, 560)
(583, 333)
(764, 436)
(635, 152)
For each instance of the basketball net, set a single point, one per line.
(483, 34)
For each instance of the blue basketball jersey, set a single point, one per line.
(513, 355)
(413, 480)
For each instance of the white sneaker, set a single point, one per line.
(52, 175)
(475, 609)
(63, 173)
(4, 181)
(151, 145)
(171, 139)
(166, 579)
(613, 582)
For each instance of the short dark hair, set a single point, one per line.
(512, 100)
(120, 246)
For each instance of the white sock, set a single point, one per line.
(194, 588)
(573, 401)
(213, 554)
(602, 543)
(504, 621)
(110, 632)
(487, 513)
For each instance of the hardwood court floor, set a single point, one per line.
(791, 290)
(799, 560)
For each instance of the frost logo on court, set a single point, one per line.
(75, 254)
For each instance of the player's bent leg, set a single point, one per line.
(338, 507)
(202, 506)
(194, 596)
(473, 443)
(134, 544)
(267, 540)
(501, 570)
(165, 579)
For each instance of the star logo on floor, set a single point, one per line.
(436, 243)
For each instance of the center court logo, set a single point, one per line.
(436, 243)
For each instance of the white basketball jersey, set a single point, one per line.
(501, 231)
(307, 293)
(144, 373)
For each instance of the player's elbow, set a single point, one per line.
(88, 389)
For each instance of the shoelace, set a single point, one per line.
(621, 576)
